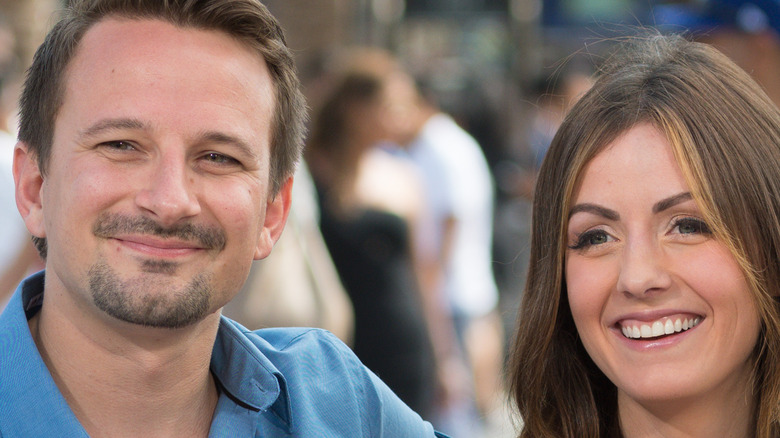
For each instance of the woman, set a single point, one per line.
(369, 204)
(651, 303)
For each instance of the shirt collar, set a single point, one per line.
(246, 374)
(29, 391)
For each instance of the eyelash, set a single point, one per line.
(220, 159)
(211, 157)
(121, 145)
(699, 226)
(583, 239)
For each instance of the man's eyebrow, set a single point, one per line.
(671, 201)
(595, 209)
(113, 124)
(224, 138)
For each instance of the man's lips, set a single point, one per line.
(159, 247)
(145, 232)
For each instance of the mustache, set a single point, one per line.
(109, 225)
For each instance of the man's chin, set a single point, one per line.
(148, 300)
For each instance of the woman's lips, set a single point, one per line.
(667, 325)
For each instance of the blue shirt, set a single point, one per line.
(273, 383)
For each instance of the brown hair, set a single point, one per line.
(355, 83)
(725, 134)
(248, 21)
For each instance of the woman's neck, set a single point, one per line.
(730, 413)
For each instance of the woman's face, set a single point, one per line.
(661, 306)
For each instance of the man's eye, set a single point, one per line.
(217, 158)
(119, 145)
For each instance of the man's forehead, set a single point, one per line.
(112, 40)
(121, 32)
(121, 58)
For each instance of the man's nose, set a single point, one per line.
(169, 193)
(643, 269)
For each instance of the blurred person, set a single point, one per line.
(370, 202)
(555, 94)
(297, 285)
(651, 304)
(17, 253)
(156, 151)
(462, 212)
(551, 96)
(455, 240)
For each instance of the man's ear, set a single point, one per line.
(276, 212)
(29, 184)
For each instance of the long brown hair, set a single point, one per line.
(725, 133)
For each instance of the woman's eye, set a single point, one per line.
(591, 238)
(690, 225)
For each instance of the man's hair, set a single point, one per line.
(725, 135)
(248, 21)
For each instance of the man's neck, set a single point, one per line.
(130, 381)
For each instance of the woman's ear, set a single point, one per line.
(29, 184)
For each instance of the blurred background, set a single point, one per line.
(505, 72)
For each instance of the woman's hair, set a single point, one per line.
(331, 152)
(352, 87)
(725, 135)
(332, 122)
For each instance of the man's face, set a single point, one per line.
(156, 199)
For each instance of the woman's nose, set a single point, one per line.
(643, 268)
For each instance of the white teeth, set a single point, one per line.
(659, 328)
(668, 327)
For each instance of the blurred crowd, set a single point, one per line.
(410, 218)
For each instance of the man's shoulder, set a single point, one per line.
(290, 339)
(329, 388)
(295, 353)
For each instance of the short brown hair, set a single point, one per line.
(725, 134)
(248, 21)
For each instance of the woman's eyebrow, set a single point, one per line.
(595, 209)
(614, 215)
(671, 201)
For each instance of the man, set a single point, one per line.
(454, 242)
(156, 148)
(460, 193)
